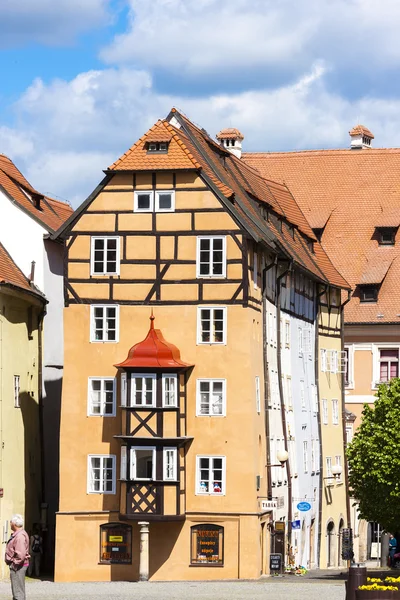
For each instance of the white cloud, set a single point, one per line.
(265, 38)
(52, 22)
(68, 131)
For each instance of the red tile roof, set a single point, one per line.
(50, 213)
(229, 134)
(359, 191)
(11, 274)
(361, 130)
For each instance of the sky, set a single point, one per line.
(83, 79)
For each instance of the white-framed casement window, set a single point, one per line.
(170, 464)
(101, 474)
(313, 456)
(124, 389)
(302, 395)
(143, 201)
(332, 361)
(143, 389)
(349, 432)
(292, 457)
(104, 323)
(255, 270)
(143, 462)
(101, 397)
(211, 398)
(211, 256)
(335, 412)
(314, 398)
(305, 456)
(211, 325)
(271, 328)
(170, 390)
(325, 411)
(338, 460)
(287, 334)
(17, 390)
(105, 256)
(258, 396)
(388, 364)
(300, 340)
(164, 200)
(211, 475)
(328, 475)
(323, 360)
(289, 399)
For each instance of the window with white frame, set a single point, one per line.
(211, 256)
(307, 340)
(170, 390)
(335, 412)
(105, 259)
(293, 457)
(338, 460)
(280, 447)
(104, 323)
(17, 389)
(170, 464)
(314, 398)
(346, 358)
(164, 200)
(101, 397)
(211, 397)
(302, 395)
(143, 389)
(143, 463)
(144, 201)
(305, 456)
(101, 474)
(313, 457)
(271, 328)
(275, 332)
(388, 364)
(154, 200)
(332, 361)
(349, 432)
(323, 360)
(329, 470)
(258, 398)
(287, 334)
(325, 411)
(300, 340)
(289, 398)
(211, 327)
(273, 452)
(210, 475)
(255, 270)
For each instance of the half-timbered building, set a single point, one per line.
(168, 438)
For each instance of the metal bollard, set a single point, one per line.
(357, 576)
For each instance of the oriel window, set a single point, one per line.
(211, 256)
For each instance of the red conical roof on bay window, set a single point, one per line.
(153, 352)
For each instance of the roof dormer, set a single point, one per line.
(231, 139)
(158, 141)
(361, 137)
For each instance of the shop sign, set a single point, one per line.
(296, 524)
(268, 505)
(116, 543)
(304, 506)
(207, 544)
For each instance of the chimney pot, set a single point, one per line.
(361, 137)
(231, 139)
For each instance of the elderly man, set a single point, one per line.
(17, 556)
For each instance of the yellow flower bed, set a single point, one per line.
(376, 579)
(392, 580)
(381, 588)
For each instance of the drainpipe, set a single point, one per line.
(321, 466)
(266, 377)
(40, 401)
(283, 414)
(346, 466)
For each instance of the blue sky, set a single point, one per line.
(83, 80)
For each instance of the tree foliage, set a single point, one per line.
(374, 459)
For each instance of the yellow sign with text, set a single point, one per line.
(115, 538)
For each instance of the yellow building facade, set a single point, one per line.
(164, 437)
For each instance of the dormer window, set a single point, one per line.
(368, 293)
(159, 147)
(387, 236)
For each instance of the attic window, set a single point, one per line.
(387, 236)
(159, 147)
(366, 140)
(368, 293)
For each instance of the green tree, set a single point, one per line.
(374, 459)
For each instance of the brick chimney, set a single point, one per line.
(360, 137)
(231, 139)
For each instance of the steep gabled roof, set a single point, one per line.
(11, 275)
(47, 211)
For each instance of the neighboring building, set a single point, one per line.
(176, 437)
(351, 199)
(28, 218)
(22, 308)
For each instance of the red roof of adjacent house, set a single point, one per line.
(361, 130)
(153, 352)
(11, 274)
(51, 213)
(349, 193)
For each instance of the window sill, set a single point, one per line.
(207, 565)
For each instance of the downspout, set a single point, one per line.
(266, 378)
(283, 414)
(346, 466)
(40, 400)
(321, 474)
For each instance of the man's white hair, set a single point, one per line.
(18, 520)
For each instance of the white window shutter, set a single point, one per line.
(133, 464)
(123, 389)
(123, 469)
(342, 366)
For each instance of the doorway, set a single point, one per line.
(340, 540)
(330, 533)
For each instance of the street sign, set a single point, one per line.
(304, 506)
(275, 562)
(296, 524)
(267, 505)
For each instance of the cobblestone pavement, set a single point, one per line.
(282, 589)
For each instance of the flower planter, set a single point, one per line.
(377, 595)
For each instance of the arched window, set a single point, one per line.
(115, 543)
(207, 545)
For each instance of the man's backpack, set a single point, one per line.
(37, 544)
